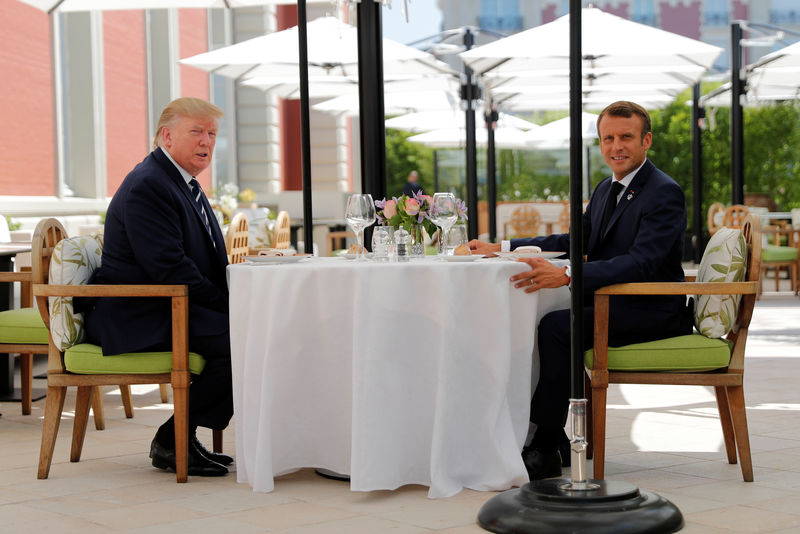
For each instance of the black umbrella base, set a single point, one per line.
(546, 506)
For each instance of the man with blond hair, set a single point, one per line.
(159, 229)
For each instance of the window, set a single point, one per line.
(500, 15)
(644, 12)
(716, 13)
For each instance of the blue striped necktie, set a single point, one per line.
(198, 193)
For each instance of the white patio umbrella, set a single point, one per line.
(395, 103)
(556, 135)
(507, 137)
(334, 86)
(608, 42)
(332, 51)
(423, 121)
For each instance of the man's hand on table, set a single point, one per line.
(487, 249)
(542, 274)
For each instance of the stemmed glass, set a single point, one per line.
(360, 214)
(444, 215)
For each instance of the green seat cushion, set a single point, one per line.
(775, 253)
(23, 326)
(694, 352)
(88, 359)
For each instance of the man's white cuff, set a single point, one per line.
(505, 245)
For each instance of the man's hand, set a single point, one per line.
(542, 274)
(487, 249)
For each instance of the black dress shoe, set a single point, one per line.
(218, 457)
(541, 464)
(199, 465)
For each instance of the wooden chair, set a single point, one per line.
(779, 257)
(525, 221)
(129, 369)
(734, 216)
(563, 219)
(711, 217)
(727, 381)
(23, 332)
(237, 239)
(338, 237)
(283, 231)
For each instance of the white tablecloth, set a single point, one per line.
(409, 373)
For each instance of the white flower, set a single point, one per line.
(228, 203)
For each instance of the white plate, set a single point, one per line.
(473, 257)
(276, 259)
(544, 254)
(354, 256)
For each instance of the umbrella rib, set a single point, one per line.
(55, 6)
(500, 62)
(692, 61)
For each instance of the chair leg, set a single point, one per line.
(127, 401)
(26, 372)
(599, 395)
(217, 440)
(727, 424)
(181, 398)
(97, 409)
(164, 391)
(736, 400)
(587, 388)
(777, 278)
(54, 405)
(82, 402)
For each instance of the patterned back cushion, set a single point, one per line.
(723, 261)
(73, 262)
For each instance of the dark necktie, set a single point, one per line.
(611, 205)
(197, 193)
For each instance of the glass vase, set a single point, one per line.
(417, 235)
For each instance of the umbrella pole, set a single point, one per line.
(579, 505)
(697, 176)
(737, 119)
(491, 174)
(469, 95)
(370, 96)
(305, 128)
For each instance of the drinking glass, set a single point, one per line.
(444, 215)
(456, 238)
(360, 213)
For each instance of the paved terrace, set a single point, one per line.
(665, 439)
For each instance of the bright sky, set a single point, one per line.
(424, 20)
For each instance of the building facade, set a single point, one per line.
(81, 94)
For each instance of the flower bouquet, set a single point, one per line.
(225, 200)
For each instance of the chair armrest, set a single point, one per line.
(110, 290)
(8, 276)
(680, 288)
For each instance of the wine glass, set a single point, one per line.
(360, 214)
(444, 215)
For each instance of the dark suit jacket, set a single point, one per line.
(410, 188)
(155, 234)
(643, 242)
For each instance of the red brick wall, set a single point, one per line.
(193, 30)
(127, 137)
(682, 19)
(549, 14)
(621, 10)
(291, 143)
(27, 153)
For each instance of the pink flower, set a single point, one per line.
(412, 206)
(390, 209)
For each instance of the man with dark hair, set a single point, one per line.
(159, 229)
(633, 232)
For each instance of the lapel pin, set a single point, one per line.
(630, 194)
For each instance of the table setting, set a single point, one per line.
(394, 372)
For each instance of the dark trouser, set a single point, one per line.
(211, 392)
(550, 403)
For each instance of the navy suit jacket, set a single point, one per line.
(643, 242)
(155, 234)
